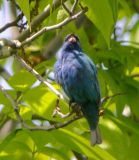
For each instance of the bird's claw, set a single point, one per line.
(75, 108)
(57, 111)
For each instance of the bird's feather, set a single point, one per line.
(76, 73)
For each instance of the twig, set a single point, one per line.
(4, 73)
(134, 75)
(44, 128)
(13, 23)
(7, 47)
(39, 19)
(38, 76)
(74, 6)
(104, 99)
(66, 8)
(14, 104)
(54, 126)
(54, 27)
(130, 42)
(9, 43)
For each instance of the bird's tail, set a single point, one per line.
(95, 137)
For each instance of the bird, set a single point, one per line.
(76, 73)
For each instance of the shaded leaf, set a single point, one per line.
(101, 14)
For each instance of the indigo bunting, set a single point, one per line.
(76, 74)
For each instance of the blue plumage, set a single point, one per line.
(76, 73)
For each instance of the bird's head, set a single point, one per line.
(72, 42)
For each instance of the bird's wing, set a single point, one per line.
(58, 72)
(91, 83)
(80, 81)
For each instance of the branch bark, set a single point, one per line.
(38, 76)
(10, 24)
(66, 8)
(44, 128)
(134, 75)
(39, 19)
(54, 27)
(74, 6)
(104, 99)
(54, 126)
(16, 44)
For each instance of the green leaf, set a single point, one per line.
(7, 140)
(127, 123)
(113, 133)
(18, 145)
(44, 102)
(41, 156)
(25, 112)
(100, 12)
(55, 153)
(24, 5)
(22, 80)
(114, 7)
(44, 3)
(80, 145)
(7, 109)
(4, 100)
(132, 152)
(68, 140)
(1, 1)
(46, 139)
(62, 14)
(126, 7)
(4, 156)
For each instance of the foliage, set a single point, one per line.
(118, 71)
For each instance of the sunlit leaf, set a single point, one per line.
(22, 80)
(80, 144)
(44, 102)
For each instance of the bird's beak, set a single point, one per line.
(72, 39)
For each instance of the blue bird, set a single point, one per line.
(76, 73)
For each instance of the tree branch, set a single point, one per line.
(39, 19)
(130, 42)
(54, 27)
(74, 6)
(14, 44)
(38, 76)
(44, 128)
(134, 75)
(4, 73)
(7, 46)
(66, 8)
(53, 126)
(13, 23)
(104, 99)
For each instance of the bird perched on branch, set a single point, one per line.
(76, 73)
